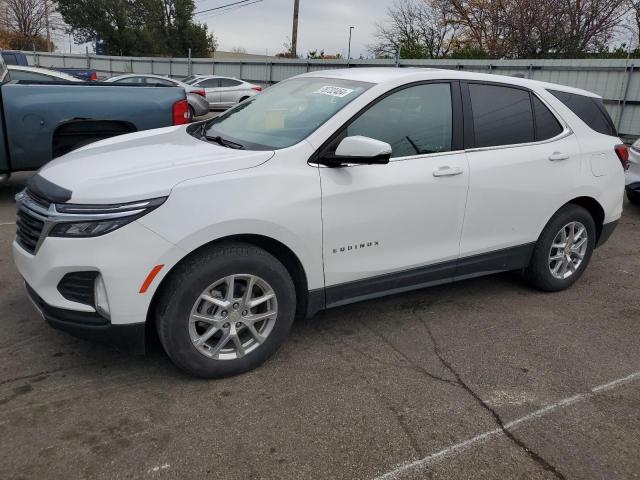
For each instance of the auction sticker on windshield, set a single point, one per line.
(335, 91)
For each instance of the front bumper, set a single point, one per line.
(91, 326)
(123, 258)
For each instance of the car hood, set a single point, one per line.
(143, 165)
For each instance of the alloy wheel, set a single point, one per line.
(233, 317)
(568, 250)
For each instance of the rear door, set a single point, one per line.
(391, 227)
(522, 158)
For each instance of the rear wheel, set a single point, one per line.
(192, 113)
(634, 197)
(226, 310)
(563, 250)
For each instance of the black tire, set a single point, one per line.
(634, 197)
(538, 273)
(192, 277)
(192, 113)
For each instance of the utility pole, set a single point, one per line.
(349, 54)
(294, 34)
(46, 21)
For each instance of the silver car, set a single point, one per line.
(223, 92)
(196, 96)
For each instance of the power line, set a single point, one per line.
(231, 10)
(220, 7)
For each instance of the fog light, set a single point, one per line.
(100, 295)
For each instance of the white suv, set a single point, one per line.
(329, 188)
(633, 174)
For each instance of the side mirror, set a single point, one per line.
(359, 150)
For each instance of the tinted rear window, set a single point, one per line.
(590, 110)
(547, 126)
(501, 115)
(10, 58)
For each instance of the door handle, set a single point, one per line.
(447, 171)
(557, 156)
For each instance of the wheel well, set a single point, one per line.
(594, 208)
(279, 250)
(77, 133)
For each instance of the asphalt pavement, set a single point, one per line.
(485, 378)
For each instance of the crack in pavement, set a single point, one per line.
(536, 457)
(400, 420)
(417, 367)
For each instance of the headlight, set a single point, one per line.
(82, 221)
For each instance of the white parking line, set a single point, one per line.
(404, 468)
(7, 223)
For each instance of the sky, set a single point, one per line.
(323, 24)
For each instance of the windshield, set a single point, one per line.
(284, 114)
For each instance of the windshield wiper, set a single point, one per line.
(224, 142)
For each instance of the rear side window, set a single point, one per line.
(210, 83)
(590, 110)
(547, 126)
(32, 76)
(501, 115)
(227, 82)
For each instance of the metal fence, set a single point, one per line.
(617, 81)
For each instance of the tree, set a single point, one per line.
(502, 28)
(416, 28)
(138, 27)
(24, 24)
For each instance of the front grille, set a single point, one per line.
(78, 287)
(29, 229)
(31, 217)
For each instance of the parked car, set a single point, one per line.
(40, 121)
(224, 92)
(329, 188)
(198, 104)
(34, 74)
(14, 57)
(633, 175)
(87, 74)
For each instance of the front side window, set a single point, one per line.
(286, 113)
(501, 115)
(159, 81)
(414, 121)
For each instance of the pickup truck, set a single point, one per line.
(41, 121)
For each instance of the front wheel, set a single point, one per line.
(226, 310)
(634, 197)
(563, 250)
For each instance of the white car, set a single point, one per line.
(633, 174)
(329, 188)
(223, 92)
(36, 74)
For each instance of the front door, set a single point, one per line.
(212, 90)
(230, 91)
(389, 228)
